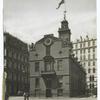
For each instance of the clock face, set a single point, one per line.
(48, 41)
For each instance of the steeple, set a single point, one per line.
(64, 31)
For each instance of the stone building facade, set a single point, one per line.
(85, 49)
(54, 71)
(16, 65)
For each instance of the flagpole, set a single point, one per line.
(65, 10)
(62, 2)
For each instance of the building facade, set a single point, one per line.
(85, 49)
(16, 65)
(54, 71)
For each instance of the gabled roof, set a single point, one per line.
(48, 36)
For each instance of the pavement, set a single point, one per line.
(54, 98)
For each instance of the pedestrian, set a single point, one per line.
(27, 96)
(24, 95)
(6, 96)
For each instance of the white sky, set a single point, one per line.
(29, 20)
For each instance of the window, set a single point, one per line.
(88, 43)
(84, 64)
(84, 44)
(93, 63)
(89, 50)
(93, 42)
(60, 78)
(89, 70)
(36, 66)
(37, 83)
(48, 66)
(93, 49)
(48, 50)
(88, 63)
(80, 57)
(89, 56)
(76, 46)
(84, 50)
(67, 39)
(93, 56)
(90, 78)
(90, 86)
(60, 92)
(94, 70)
(80, 45)
(60, 85)
(65, 43)
(84, 57)
(59, 67)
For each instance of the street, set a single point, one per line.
(54, 98)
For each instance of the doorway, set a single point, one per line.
(48, 93)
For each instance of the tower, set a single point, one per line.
(64, 31)
(65, 35)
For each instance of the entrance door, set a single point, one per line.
(48, 90)
(48, 93)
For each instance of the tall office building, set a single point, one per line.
(16, 65)
(85, 49)
(54, 71)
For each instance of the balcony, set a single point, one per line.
(50, 79)
(48, 72)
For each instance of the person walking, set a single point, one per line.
(25, 96)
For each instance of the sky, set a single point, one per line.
(30, 20)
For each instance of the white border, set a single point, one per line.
(98, 47)
(1, 46)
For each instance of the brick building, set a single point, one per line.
(16, 65)
(54, 71)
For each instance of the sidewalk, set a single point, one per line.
(54, 98)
